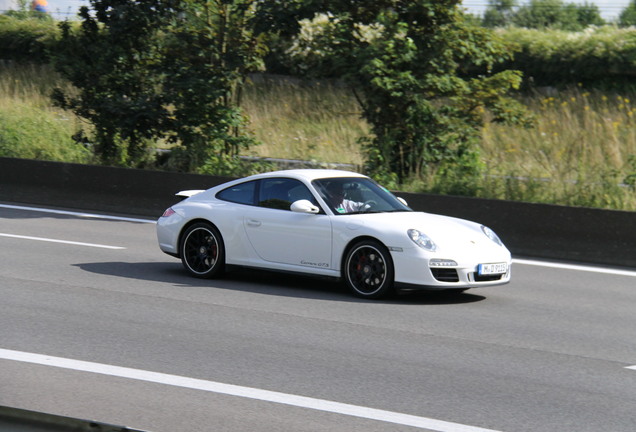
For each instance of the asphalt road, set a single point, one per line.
(551, 351)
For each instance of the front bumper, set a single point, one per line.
(413, 270)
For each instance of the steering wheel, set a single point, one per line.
(368, 205)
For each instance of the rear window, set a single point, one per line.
(242, 193)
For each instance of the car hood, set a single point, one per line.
(445, 231)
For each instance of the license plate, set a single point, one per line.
(490, 269)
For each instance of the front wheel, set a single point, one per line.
(202, 251)
(368, 270)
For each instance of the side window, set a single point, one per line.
(280, 193)
(242, 193)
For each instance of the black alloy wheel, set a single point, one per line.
(368, 270)
(202, 251)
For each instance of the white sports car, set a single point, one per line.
(330, 223)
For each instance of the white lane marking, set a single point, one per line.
(244, 392)
(61, 241)
(631, 367)
(602, 270)
(78, 214)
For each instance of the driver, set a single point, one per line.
(336, 199)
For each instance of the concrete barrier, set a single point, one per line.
(533, 230)
(97, 188)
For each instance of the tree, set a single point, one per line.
(541, 14)
(407, 62)
(107, 59)
(210, 49)
(586, 14)
(627, 17)
(499, 13)
(160, 70)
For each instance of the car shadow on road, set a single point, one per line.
(268, 283)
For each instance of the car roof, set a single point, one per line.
(307, 174)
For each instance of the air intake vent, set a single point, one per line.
(445, 274)
(486, 278)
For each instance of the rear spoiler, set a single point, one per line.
(188, 193)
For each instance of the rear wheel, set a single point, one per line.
(202, 251)
(368, 270)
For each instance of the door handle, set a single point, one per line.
(253, 222)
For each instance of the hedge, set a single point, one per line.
(595, 55)
(28, 40)
(546, 57)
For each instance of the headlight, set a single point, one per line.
(422, 240)
(491, 235)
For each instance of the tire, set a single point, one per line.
(202, 251)
(368, 270)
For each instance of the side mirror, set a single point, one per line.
(402, 200)
(304, 206)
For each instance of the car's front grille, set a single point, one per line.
(486, 278)
(445, 274)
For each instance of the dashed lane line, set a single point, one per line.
(592, 269)
(244, 392)
(76, 214)
(74, 243)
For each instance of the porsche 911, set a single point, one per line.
(330, 223)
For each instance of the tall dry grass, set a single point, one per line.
(308, 121)
(30, 127)
(580, 151)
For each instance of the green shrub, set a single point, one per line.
(593, 56)
(32, 133)
(27, 40)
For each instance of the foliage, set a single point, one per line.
(630, 179)
(31, 128)
(26, 39)
(233, 166)
(31, 133)
(404, 60)
(298, 119)
(583, 144)
(108, 60)
(627, 17)
(542, 14)
(579, 153)
(160, 70)
(499, 13)
(583, 16)
(209, 53)
(593, 56)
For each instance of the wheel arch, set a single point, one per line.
(185, 227)
(352, 243)
(381, 282)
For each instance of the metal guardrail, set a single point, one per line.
(15, 419)
(297, 163)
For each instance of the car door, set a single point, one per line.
(279, 235)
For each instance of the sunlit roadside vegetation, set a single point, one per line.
(30, 127)
(582, 150)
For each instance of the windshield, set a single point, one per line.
(354, 195)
